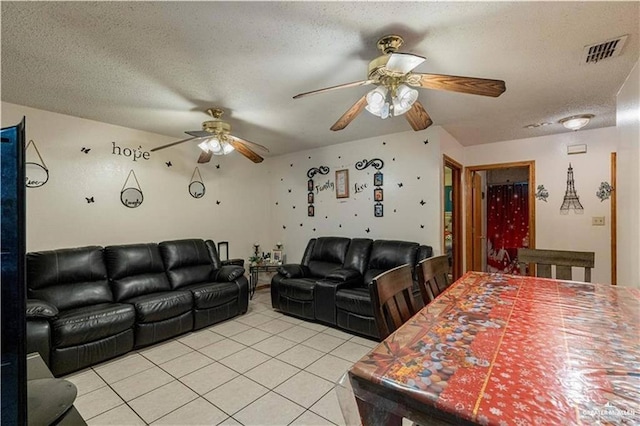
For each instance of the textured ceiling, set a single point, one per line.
(157, 66)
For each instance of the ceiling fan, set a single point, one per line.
(215, 139)
(392, 74)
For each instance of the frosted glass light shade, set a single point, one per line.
(576, 122)
(404, 100)
(376, 100)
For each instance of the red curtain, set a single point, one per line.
(507, 226)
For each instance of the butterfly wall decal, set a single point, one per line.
(89, 200)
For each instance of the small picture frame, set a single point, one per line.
(276, 256)
(311, 211)
(377, 194)
(223, 250)
(378, 210)
(310, 185)
(342, 183)
(310, 198)
(378, 179)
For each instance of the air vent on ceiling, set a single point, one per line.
(595, 53)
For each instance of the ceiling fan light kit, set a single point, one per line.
(392, 74)
(576, 122)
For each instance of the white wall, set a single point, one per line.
(407, 161)
(58, 214)
(553, 230)
(628, 180)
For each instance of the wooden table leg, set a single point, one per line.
(374, 415)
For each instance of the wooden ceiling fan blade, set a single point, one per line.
(244, 150)
(472, 85)
(340, 86)
(172, 144)
(350, 115)
(403, 62)
(252, 144)
(205, 157)
(418, 117)
(199, 133)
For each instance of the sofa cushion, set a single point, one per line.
(135, 270)
(330, 250)
(187, 262)
(90, 323)
(387, 254)
(297, 288)
(320, 269)
(161, 306)
(356, 300)
(68, 278)
(210, 295)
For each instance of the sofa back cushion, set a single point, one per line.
(187, 262)
(215, 256)
(135, 270)
(387, 254)
(327, 254)
(358, 254)
(68, 278)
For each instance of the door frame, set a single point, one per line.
(456, 214)
(468, 172)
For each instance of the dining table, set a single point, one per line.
(501, 350)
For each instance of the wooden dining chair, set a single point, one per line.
(392, 299)
(433, 277)
(562, 259)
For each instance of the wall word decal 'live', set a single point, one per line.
(134, 154)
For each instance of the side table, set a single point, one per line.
(254, 270)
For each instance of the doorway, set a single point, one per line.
(452, 215)
(515, 181)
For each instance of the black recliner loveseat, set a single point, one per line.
(331, 284)
(89, 304)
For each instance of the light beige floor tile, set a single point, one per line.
(185, 364)
(164, 352)
(230, 422)
(350, 351)
(270, 409)
(119, 416)
(329, 367)
(209, 377)
(365, 342)
(298, 333)
(155, 404)
(229, 328)
(275, 326)
(292, 320)
(123, 367)
(304, 388)
(197, 412)
(222, 349)
(251, 336)
(97, 402)
(245, 360)
(338, 333)
(323, 342)
(272, 373)
(200, 339)
(301, 356)
(270, 312)
(141, 383)
(274, 345)
(329, 408)
(253, 320)
(86, 381)
(309, 418)
(236, 394)
(313, 326)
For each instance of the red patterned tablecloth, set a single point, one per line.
(509, 350)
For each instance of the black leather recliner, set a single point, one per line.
(89, 326)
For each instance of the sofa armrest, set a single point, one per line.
(228, 273)
(237, 262)
(294, 271)
(40, 309)
(344, 275)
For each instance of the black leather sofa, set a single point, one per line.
(331, 284)
(89, 304)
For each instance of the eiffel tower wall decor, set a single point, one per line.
(571, 200)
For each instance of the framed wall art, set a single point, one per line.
(377, 194)
(342, 183)
(310, 198)
(378, 210)
(378, 179)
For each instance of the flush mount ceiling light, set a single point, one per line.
(576, 122)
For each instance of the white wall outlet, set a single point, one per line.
(597, 221)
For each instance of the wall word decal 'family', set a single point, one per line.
(134, 153)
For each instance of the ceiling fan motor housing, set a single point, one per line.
(216, 126)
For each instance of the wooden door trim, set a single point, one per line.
(468, 171)
(614, 221)
(456, 182)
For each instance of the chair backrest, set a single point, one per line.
(392, 299)
(562, 259)
(433, 277)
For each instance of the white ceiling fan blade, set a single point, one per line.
(403, 62)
